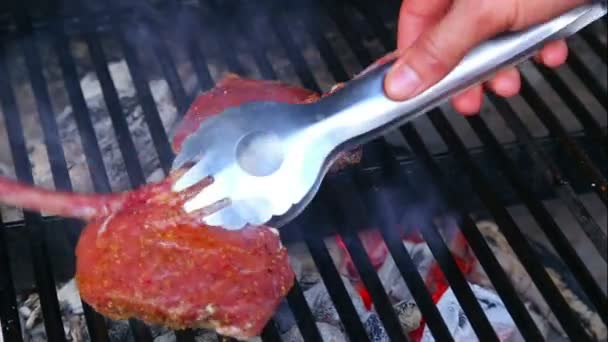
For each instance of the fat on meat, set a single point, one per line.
(142, 256)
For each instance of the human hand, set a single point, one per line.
(434, 35)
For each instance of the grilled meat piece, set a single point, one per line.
(142, 256)
(151, 261)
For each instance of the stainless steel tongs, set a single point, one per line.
(267, 159)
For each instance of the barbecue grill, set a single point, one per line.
(535, 164)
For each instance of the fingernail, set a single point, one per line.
(403, 82)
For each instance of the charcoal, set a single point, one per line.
(375, 330)
(69, 298)
(459, 325)
(322, 306)
(72, 315)
(391, 277)
(409, 315)
(303, 265)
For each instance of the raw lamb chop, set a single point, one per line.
(142, 256)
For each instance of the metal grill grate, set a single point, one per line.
(320, 43)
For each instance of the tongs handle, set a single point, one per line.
(360, 111)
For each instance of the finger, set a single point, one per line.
(534, 12)
(416, 16)
(506, 83)
(469, 102)
(439, 49)
(554, 54)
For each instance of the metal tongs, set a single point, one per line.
(267, 159)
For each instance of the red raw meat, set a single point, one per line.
(233, 90)
(142, 256)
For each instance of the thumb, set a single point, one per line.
(439, 49)
(467, 23)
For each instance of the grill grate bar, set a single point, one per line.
(9, 317)
(199, 64)
(292, 50)
(542, 216)
(229, 56)
(198, 60)
(270, 333)
(462, 291)
(42, 268)
(303, 314)
(349, 215)
(584, 164)
(254, 41)
(95, 322)
(561, 186)
(171, 75)
(373, 16)
(140, 331)
(347, 28)
(579, 110)
(117, 115)
(579, 67)
(594, 43)
(159, 47)
(331, 278)
(184, 335)
(334, 65)
(82, 116)
(169, 71)
(475, 239)
(514, 236)
(52, 141)
(146, 100)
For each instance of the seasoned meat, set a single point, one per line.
(151, 261)
(142, 256)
